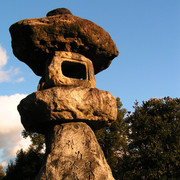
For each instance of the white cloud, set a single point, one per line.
(4, 164)
(4, 76)
(3, 57)
(21, 79)
(16, 71)
(7, 75)
(9, 116)
(10, 127)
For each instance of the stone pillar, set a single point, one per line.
(74, 153)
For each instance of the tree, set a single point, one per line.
(37, 140)
(27, 163)
(154, 139)
(113, 139)
(2, 174)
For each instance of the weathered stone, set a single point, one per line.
(74, 153)
(34, 41)
(67, 68)
(57, 105)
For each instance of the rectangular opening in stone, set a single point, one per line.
(73, 70)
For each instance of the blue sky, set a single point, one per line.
(146, 32)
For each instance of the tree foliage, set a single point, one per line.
(37, 140)
(154, 139)
(27, 163)
(2, 174)
(113, 139)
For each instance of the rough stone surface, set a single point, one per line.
(67, 68)
(35, 40)
(65, 104)
(74, 154)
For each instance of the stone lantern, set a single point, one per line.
(66, 51)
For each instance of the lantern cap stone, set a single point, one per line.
(34, 41)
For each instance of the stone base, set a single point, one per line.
(73, 153)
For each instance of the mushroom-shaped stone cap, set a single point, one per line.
(34, 41)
